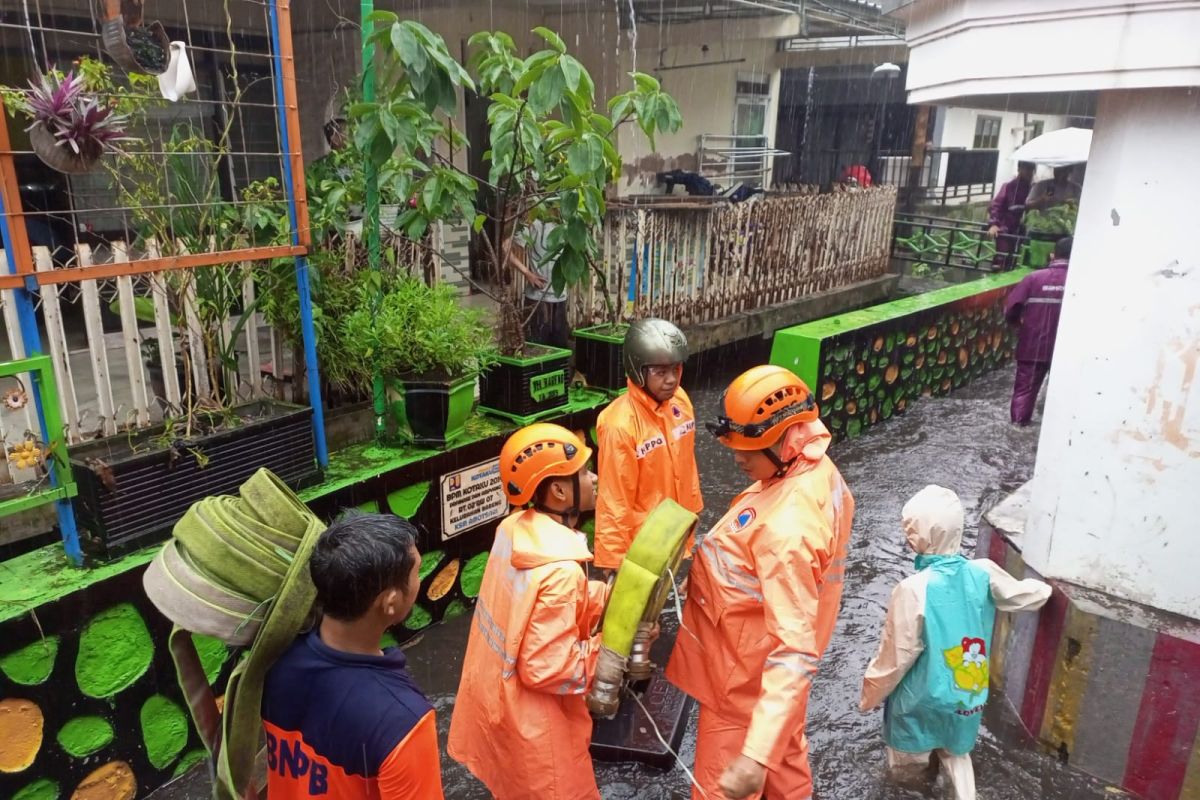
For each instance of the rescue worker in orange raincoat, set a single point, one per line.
(520, 722)
(764, 593)
(647, 441)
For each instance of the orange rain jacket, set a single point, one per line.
(647, 454)
(764, 594)
(520, 723)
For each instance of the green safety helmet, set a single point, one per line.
(650, 342)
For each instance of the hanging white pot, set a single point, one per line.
(178, 80)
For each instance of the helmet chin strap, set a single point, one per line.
(781, 466)
(571, 515)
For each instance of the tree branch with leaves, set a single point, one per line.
(551, 152)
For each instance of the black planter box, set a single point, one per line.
(524, 388)
(600, 354)
(133, 489)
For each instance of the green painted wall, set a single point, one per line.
(43, 789)
(456, 609)
(31, 665)
(44, 575)
(164, 730)
(115, 650)
(429, 562)
(407, 501)
(418, 618)
(213, 655)
(472, 574)
(83, 736)
(868, 365)
(190, 759)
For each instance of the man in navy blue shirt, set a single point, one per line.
(343, 718)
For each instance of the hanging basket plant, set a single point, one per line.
(135, 46)
(71, 128)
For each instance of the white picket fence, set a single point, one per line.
(105, 384)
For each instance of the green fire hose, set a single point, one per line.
(236, 569)
(636, 601)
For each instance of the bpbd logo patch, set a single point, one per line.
(675, 410)
(743, 519)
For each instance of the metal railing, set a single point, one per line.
(937, 243)
(727, 159)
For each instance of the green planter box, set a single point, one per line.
(526, 388)
(600, 354)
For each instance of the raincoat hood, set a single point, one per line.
(933, 521)
(541, 540)
(806, 442)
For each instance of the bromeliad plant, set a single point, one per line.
(71, 126)
(551, 152)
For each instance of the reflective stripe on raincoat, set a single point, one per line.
(647, 453)
(520, 723)
(933, 659)
(763, 597)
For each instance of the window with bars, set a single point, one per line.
(1035, 129)
(987, 133)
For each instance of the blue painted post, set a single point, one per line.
(303, 285)
(31, 340)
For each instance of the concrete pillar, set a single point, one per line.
(1116, 494)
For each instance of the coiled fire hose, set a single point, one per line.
(637, 598)
(237, 570)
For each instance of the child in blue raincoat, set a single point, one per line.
(932, 664)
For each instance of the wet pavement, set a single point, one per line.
(964, 442)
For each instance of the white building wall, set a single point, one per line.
(1116, 498)
(1116, 493)
(956, 128)
(1044, 49)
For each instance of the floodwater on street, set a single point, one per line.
(964, 442)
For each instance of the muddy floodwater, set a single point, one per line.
(964, 442)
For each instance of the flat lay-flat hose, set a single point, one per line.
(637, 598)
(237, 570)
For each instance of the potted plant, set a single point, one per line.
(71, 127)
(551, 157)
(429, 348)
(133, 45)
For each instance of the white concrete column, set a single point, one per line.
(1116, 496)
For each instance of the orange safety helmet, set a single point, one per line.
(537, 452)
(760, 405)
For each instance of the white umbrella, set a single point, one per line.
(1059, 148)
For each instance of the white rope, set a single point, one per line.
(679, 606)
(663, 742)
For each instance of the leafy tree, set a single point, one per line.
(551, 152)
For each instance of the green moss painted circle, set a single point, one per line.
(418, 618)
(456, 609)
(213, 655)
(32, 664)
(115, 650)
(83, 736)
(190, 759)
(164, 730)
(429, 562)
(43, 789)
(472, 574)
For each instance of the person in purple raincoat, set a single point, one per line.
(1035, 304)
(1004, 214)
